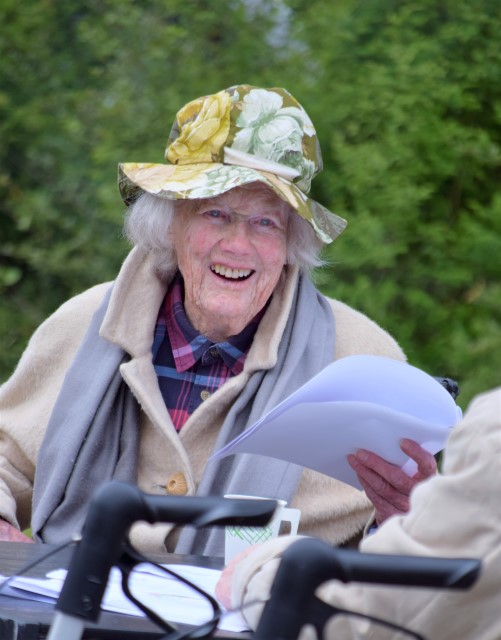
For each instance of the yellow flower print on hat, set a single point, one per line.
(204, 125)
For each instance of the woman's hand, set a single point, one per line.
(386, 485)
(9, 533)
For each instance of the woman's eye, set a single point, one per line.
(215, 214)
(265, 223)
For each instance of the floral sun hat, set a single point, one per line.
(240, 135)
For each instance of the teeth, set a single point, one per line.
(234, 274)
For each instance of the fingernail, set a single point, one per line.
(362, 455)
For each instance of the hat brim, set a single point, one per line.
(207, 180)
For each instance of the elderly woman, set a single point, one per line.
(211, 321)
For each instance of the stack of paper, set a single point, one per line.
(164, 594)
(358, 402)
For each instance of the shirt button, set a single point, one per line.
(214, 352)
(176, 485)
(205, 395)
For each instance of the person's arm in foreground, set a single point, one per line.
(455, 514)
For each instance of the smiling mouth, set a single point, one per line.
(231, 274)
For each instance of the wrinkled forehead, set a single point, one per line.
(253, 198)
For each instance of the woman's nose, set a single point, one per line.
(236, 236)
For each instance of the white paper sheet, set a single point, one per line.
(164, 594)
(358, 402)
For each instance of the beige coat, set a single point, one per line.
(456, 514)
(168, 462)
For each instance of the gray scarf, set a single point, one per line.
(95, 417)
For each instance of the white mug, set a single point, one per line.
(238, 538)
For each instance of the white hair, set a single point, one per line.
(148, 221)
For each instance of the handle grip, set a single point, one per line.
(112, 511)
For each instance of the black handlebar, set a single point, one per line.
(309, 562)
(112, 511)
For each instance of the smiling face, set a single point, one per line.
(231, 251)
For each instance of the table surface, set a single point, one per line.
(30, 620)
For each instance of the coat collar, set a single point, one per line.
(138, 292)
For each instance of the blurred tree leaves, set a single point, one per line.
(84, 85)
(406, 98)
(412, 144)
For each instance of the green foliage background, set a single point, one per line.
(406, 98)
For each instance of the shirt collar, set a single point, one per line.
(189, 346)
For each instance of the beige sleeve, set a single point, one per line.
(456, 514)
(253, 577)
(27, 398)
(356, 333)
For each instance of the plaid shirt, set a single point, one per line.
(188, 365)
